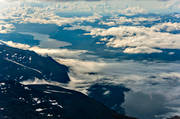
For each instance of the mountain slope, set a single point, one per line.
(17, 64)
(49, 102)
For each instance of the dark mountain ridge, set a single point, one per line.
(49, 102)
(17, 64)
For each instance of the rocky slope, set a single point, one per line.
(49, 102)
(17, 64)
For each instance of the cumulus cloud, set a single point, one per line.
(75, 27)
(141, 50)
(133, 11)
(25, 12)
(168, 27)
(139, 39)
(16, 45)
(54, 19)
(47, 13)
(6, 27)
(177, 15)
(121, 20)
(171, 75)
(64, 53)
(136, 39)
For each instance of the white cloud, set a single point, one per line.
(36, 81)
(75, 27)
(173, 3)
(167, 27)
(133, 11)
(121, 20)
(141, 50)
(171, 75)
(65, 53)
(16, 45)
(5, 27)
(54, 19)
(47, 12)
(25, 12)
(138, 39)
(177, 15)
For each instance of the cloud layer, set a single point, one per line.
(139, 39)
(123, 30)
(6, 27)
